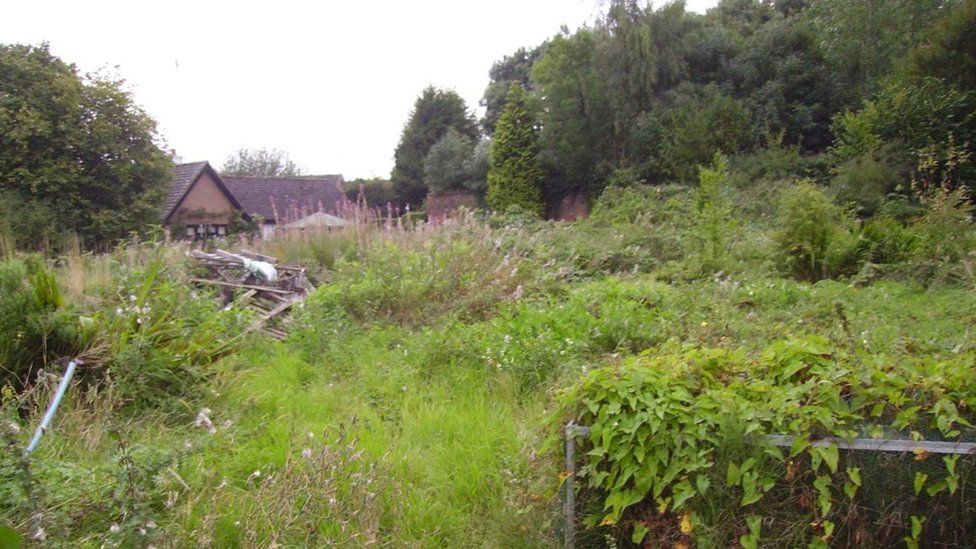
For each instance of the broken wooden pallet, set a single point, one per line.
(257, 281)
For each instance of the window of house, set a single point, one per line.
(191, 230)
(221, 230)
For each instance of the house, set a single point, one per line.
(202, 204)
(285, 199)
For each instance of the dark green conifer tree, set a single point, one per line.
(515, 175)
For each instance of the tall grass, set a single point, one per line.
(411, 403)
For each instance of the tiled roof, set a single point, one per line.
(286, 198)
(183, 176)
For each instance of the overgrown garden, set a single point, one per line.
(780, 244)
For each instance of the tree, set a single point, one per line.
(862, 40)
(435, 111)
(75, 149)
(948, 49)
(512, 68)
(260, 163)
(782, 75)
(691, 126)
(456, 162)
(577, 121)
(514, 172)
(376, 192)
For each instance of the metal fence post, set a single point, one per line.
(569, 503)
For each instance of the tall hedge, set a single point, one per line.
(515, 175)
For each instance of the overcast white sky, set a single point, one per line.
(330, 82)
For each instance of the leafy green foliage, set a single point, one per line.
(34, 326)
(947, 52)
(260, 163)
(866, 181)
(928, 120)
(712, 214)
(946, 236)
(862, 42)
(575, 116)
(816, 238)
(434, 113)
(514, 172)
(376, 192)
(510, 69)
(456, 163)
(76, 152)
(162, 337)
(694, 125)
(662, 423)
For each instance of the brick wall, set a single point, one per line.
(443, 206)
(206, 204)
(570, 208)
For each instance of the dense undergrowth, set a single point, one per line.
(418, 398)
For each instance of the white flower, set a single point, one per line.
(151, 524)
(519, 291)
(39, 534)
(307, 453)
(132, 298)
(114, 528)
(203, 420)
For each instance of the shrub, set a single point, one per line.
(676, 448)
(815, 239)
(35, 326)
(886, 241)
(866, 180)
(775, 162)
(712, 215)
(640, 204)
(157, 343)
(946, 237)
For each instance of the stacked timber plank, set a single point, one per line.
(257, 281)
